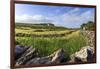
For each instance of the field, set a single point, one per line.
(48, 39)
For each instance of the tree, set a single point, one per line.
(89, 25)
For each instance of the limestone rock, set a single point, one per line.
(84, 55)
(39, 60)
(57, 56)
(19, 50)
(54, 58)
(28, 54)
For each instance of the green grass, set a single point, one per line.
(27, 32)
(48, 39)
(70, 43)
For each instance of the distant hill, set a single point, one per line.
(40, 26)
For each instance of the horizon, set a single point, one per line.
(70, 17)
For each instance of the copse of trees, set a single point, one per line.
(88, 26)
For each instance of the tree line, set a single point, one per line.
(90, 25)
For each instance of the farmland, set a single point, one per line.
(48, 39)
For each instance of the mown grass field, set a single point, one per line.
(49, 39)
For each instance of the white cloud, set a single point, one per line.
(31, 19)
(38, 17)
(23, 18)
(70, 19)
(88, 15)
(75, 10)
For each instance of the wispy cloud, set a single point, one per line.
(73, 19)
(60, 16)
(32, 19)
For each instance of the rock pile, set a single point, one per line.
(30, 56)
(26, 56)
(84, 55)
(91, 39)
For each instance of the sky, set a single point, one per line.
(71, 17)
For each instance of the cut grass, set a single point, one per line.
(41, 33)
(31, 31)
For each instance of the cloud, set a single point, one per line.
(38, 17)
(72, 18)
(88, 15)
(32, 19)
(23, 18)
(75, 10)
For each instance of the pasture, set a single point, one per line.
(48, 39)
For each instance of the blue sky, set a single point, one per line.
(71, 17)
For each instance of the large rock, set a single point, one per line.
(58, 56)
(26, 56)
(19, 50)
(54, 58)
(91, 37)
(39, 60)
(84, 55)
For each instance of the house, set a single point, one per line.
(85, 28)
(49, 24)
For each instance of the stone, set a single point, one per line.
(33, 61)
(57, 56)
(84, 55)
(54, 58)
(39, 60)
(19, 50)
(26, 56)
(45, 60)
